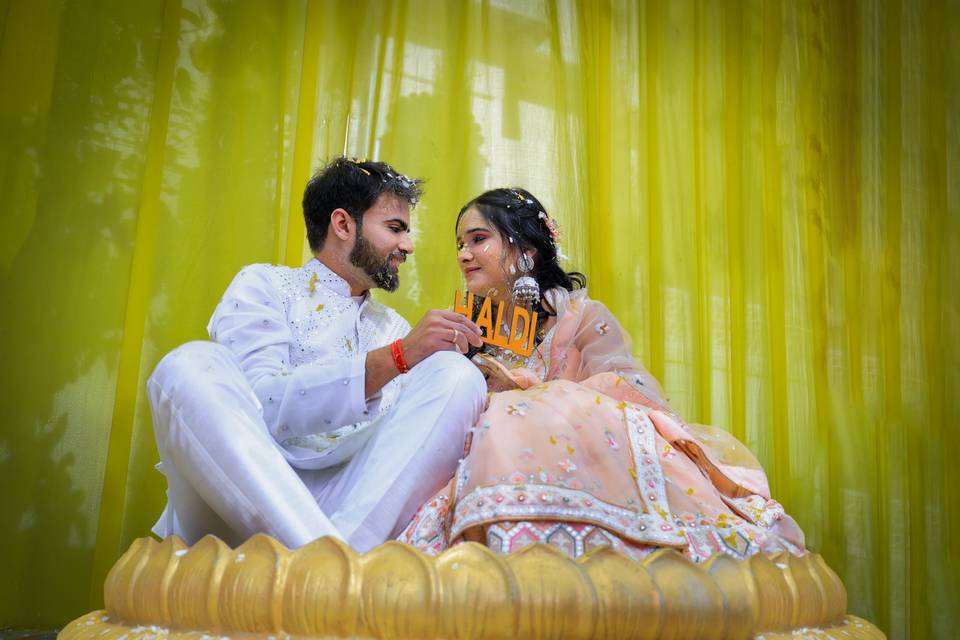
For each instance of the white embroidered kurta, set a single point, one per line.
(302, 341)
(267, 429)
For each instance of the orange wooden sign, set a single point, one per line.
(522, 345)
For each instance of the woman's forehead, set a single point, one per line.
(472, 220)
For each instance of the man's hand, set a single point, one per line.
(439, 330)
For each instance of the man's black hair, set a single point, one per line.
(351, 185)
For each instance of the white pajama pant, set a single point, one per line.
(227, 476)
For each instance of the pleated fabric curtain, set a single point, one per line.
(766, 193)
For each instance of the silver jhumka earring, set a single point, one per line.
(526, 291)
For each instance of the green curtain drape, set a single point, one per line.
(766, 193)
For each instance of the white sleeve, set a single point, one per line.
(309, 399)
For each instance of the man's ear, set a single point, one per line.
(342, 224)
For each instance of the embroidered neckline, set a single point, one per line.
(335, 283)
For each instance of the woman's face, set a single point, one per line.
(481, 255)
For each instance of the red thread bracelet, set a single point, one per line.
(396, 350)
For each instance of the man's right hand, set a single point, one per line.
(439, 330)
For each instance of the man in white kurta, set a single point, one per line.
(295, 420)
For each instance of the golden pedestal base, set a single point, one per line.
(163, 591)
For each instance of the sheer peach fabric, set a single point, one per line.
(588, 439)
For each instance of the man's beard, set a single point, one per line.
(365, 256)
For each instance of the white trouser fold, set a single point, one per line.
(227, 475)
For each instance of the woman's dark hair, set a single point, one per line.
(353, 186)
(523, 222)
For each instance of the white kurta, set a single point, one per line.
(269, 429)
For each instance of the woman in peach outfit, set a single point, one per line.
(577, 447)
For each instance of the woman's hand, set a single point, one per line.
(498, 376)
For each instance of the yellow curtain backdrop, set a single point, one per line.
(766, 193)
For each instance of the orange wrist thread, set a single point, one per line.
(396, 350)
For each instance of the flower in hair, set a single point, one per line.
(552, 227)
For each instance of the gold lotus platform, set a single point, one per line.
(163, 590)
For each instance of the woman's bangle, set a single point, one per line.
(396, 350)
